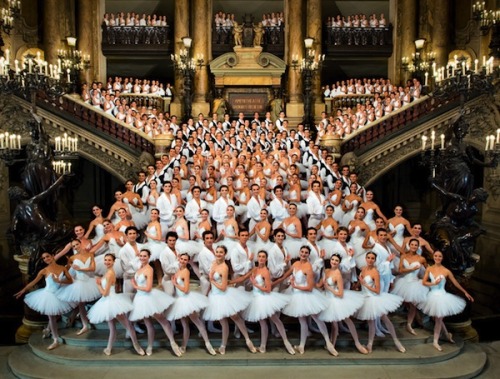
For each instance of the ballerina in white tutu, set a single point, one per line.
(155, 243)
(112, 306)
(44, 300)
(150, 303)
(342, 303)
(187, 305)
(262, 231)
(266, 304)
(305, 300)
(440, 303)
(83, 289)
(377, 303)
(184, 244)
(408, 285)
(226, 302)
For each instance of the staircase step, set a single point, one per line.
(78, 363)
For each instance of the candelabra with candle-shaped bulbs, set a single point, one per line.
(432, 148)
(10, 147)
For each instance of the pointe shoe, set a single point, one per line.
(175, 348)
(400, 347)
(379, 333)
(222, 350)
(209, 348)
(262, 349)
(46, 333)
(331, 349)
(362, 349)
(299, 348)
(251, 347)
(138, 349)
(53, 345)
(83, 330)
(107, 352)
(450, 338)
(289, 348)
(436, 346)
(149, 351)
(182, 349)
(369, 348)
(237, 334)
(410, 330)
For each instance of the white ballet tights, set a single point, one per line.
(304, 330)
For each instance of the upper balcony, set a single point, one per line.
(136, 40)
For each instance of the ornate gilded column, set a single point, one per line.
(294, 47)
(90, 37)
(405, 31)
(314, 23)
(201, 36)
(181, 29)
(52, 29)
(440, 32)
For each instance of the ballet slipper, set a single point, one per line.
(107, 352)
(299, 348)
(262, 349)
(331, 349)
(175, 348)
(437, 346)
(53, 345)
(46, 333)
(369, 347)
(410, 330)
(149, 351)
(83, 330)
(222, 350)
(138, 349)
(289, 348)
(400, 347)
(182, 349)
(361, 349)
(209, 348)
(450, 338)
(251, 347)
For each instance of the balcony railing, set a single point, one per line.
(344, 101)
(358, 41)
(135, 39)
(148, 101)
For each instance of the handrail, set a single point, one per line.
(149, 100)
(413, 113)
(348, 100)
(98, 120)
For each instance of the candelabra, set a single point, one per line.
(10, 147)
(488, 20)
(185, 65)
(71, 62)
(308, 67)
(7, 17)
(421, 63)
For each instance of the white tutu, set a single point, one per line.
(222, 304)
(108, 307)
(410, 287)
(340, 308)
(263, 304)
(186, 304)
(440, 303)
(155, 247)
(83, 289)
(304, 303)
(192, 248)
(45, 300)
(147, 304)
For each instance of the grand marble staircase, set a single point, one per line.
(81, 356)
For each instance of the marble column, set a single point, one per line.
(295, 47)
(201, 36)
(405, 30)
(181, 29)
(314, 23)
(440, 33)
(52, 33)
(89, 37)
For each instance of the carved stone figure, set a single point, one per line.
(238, 32)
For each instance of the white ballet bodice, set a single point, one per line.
(152, 231)
(243, 197)
(260, 281)
(218, 278)
(51, 285)
(180, 232)
(438, 287)
(114, 247)
(99, 231)
(328, 231)
(230, 232)
(82, 275)
(262, 231)
(412, 274)
(370, 282)
(141, 280)
(400, 229)
(178, 292)
(300, 279)
(104, 282)
(209, 197)
(330, 282)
